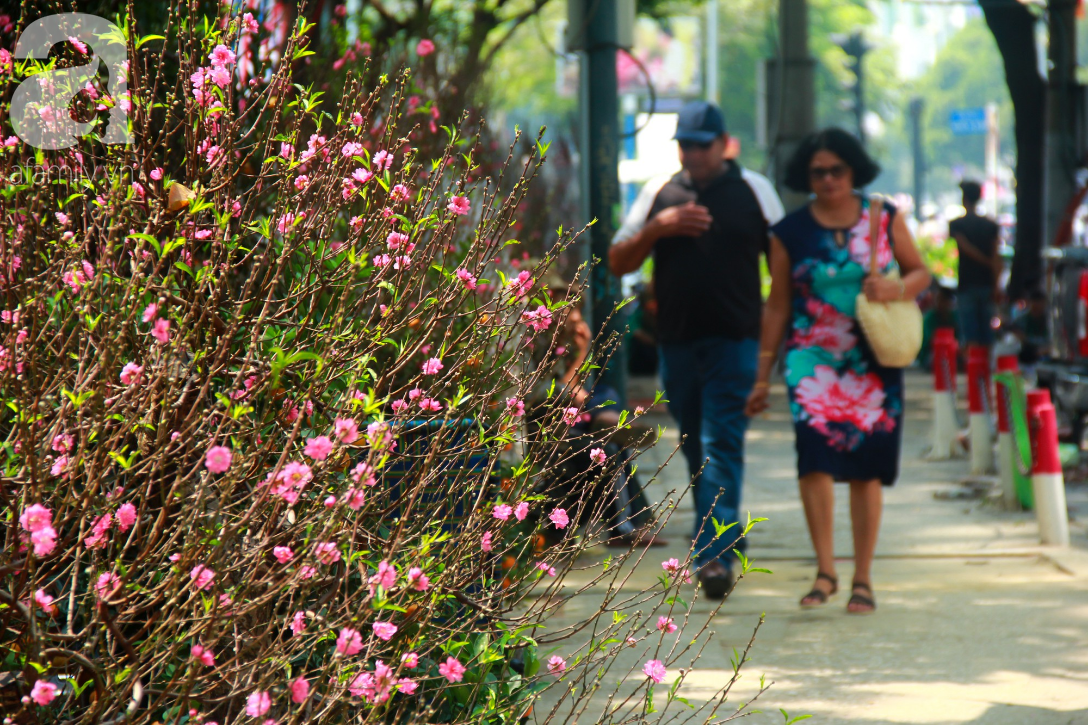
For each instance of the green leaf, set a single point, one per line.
(719, 529)
(149, 239)
(148, 39)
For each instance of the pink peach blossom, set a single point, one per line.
(218, 459)
(36, 518)
(161, 331)
(131, 374)
(45, 601)
(202, 576)
(459, 205)
(452, 669)
(107, 584)
(327, 552)
(300, 690)
(386, 577)
(318, 448)
(655, 670)
(559, 518)
(203, 655)
(418, 580)
(126, 517)
(346, 430)
(258, 704)
(43, 692)
(384, 630)
(349, 642)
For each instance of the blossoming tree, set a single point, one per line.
(263, 377)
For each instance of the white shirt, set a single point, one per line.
(761, 186)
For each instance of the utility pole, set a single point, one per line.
(711, 74)
(1064, 112)
(598, 28)
(855, 47)
(917, 105)
(993, 141)
(791, 95)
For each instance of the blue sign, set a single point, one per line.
(968, 121)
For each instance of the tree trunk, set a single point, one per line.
(1013, 26)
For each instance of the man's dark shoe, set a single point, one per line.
(716, 580)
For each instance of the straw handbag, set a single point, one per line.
(893, 329)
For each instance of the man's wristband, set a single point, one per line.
(761, 384)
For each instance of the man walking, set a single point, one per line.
(706, 228)
(980, 266)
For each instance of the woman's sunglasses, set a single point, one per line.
(817, 173)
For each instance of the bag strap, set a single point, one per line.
(876, 209)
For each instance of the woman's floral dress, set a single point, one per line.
(847, 408)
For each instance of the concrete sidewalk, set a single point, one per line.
(976, 622)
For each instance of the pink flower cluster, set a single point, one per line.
(467, 278)
(459, 205)
(386, 577)
(521, 285)
(539, 319)
(217, 74)
(290, 481)
(37, 521)
(77, 278)
(376, 687)
(673, 566)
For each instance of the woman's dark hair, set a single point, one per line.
(841, 143)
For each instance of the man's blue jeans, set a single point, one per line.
(707, 383)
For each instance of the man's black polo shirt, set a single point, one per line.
(710, 286)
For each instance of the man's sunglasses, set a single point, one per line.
(691, 145)
(816, 173)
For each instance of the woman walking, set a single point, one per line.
(847, 409)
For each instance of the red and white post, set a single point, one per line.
(1047, 483)
(1006, 450)
(979, 407)
(945, 445)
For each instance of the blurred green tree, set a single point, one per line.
(962, 77)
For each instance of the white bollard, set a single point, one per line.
(978, 395)
(1047, 483)
(945, 429)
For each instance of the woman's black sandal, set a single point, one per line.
(819, 594)
(865, 601)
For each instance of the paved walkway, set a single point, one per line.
(976, 622)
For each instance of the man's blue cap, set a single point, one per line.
(700, 122)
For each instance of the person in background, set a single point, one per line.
(576, 481)
(706, 228)
(980, 266)
(847, 408)
(941, 314)
(1030, 328)
(642, 338)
